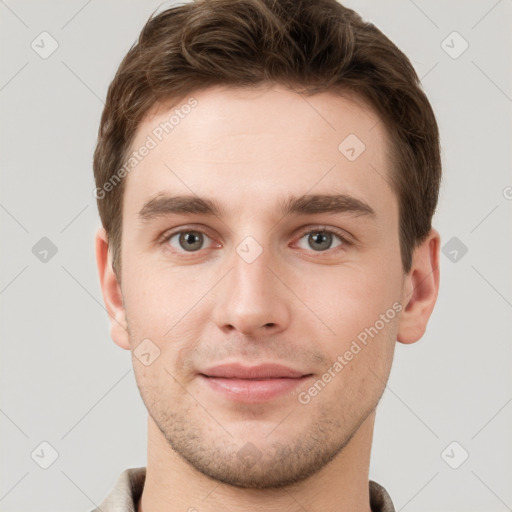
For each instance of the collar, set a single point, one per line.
(127, 491)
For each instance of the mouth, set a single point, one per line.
(256, 384)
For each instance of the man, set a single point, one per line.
(266, 175)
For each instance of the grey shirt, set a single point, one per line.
(128, 489)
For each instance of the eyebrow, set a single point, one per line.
(163, 205)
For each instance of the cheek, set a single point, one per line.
(361, 310)
(349, 300)
(156, 299)
(359, 370)
(158, 388)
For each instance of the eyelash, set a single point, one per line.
(343, 237)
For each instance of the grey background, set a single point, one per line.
(65, 382)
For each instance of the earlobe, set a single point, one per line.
(420, 291)
(111, 290)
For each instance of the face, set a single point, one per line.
(279, 248)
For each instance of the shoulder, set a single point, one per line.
(126, 492)
(380, 500)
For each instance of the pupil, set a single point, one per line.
(320, 240)
(191, 240)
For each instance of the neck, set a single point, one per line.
(172, 484)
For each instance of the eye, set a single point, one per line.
(322, 239)
(188, 240)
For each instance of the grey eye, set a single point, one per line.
(320, 240)
(189, 241)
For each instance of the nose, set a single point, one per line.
(253, 299)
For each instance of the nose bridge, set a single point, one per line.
(250, 274)
(251, 298)
(250, 260)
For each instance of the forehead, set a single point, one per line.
(250, 144)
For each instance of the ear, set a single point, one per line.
(111, 290)
(421, 286)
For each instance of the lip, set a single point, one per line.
(252, 384)
(261, 371)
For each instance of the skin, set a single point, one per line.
(295, 305)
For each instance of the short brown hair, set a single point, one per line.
(319, 45)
